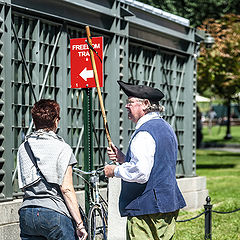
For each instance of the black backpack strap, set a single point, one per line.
(33, 158)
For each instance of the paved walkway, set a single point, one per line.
(225, 149)
(221, 147)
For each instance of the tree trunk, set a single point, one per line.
(228, 133)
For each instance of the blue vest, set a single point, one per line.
(160, 193)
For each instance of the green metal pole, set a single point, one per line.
(88, 140)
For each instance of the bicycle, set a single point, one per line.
(97, 220)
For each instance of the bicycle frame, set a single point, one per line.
(97, 216)
(94, 181)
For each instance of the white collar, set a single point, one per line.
(147, 117)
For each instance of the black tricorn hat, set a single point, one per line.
(141, 91)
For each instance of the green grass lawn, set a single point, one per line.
(217, 134)
(222, 170)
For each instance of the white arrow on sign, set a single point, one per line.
(85, 74)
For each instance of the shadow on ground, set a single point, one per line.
(224, 154)
(215, 166)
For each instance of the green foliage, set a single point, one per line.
(218, 67)
(190, 9)
(222, 170)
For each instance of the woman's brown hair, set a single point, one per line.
(44, 114)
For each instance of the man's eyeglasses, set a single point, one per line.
(131, 102)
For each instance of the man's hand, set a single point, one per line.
(109, 170)
(115, 154)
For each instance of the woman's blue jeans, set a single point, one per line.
(38, 223)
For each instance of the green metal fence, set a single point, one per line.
(141, 45)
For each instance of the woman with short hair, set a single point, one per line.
(49, 209)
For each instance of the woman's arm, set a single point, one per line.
(70, 198)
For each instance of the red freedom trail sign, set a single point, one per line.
(82, 75)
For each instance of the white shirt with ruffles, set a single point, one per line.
(142, 150)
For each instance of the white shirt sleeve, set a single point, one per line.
(142, 159)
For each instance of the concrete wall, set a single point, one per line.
(9, 227)
(194, 191)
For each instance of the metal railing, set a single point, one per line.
(208, 217)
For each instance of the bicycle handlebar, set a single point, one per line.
(94, 172)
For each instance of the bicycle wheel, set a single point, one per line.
(97, 223)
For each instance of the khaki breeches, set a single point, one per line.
(159, 226)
